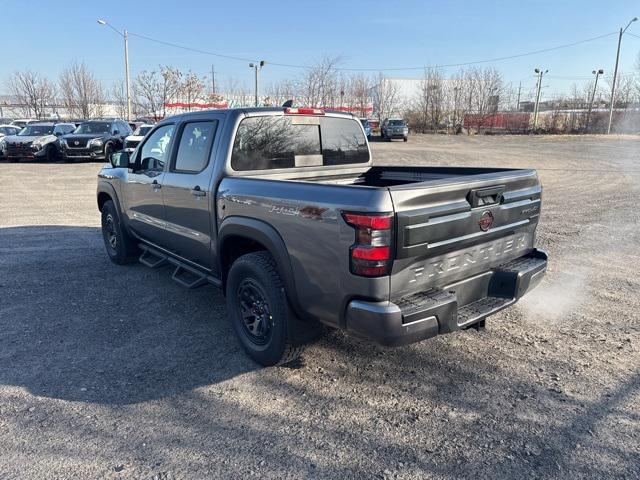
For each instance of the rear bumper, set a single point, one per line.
(447, 309)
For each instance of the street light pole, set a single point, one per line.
(124, 35)
(593, 96)
(615, 73)
(257, 67)
(540, 73)
(126, 69)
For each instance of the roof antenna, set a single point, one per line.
(287, 104)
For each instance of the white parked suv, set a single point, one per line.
(132, 141)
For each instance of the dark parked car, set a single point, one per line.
(94, 140)
(394, 128)
(298, 231)
(36, 141)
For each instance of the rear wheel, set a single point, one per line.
(259, 311)
(120, 247)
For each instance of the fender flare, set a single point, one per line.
(106, 187)
(269, 237)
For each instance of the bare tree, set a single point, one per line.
(237, 93)
(359, 93)
(318, 86)
(170, 85)
(191, 89)
(385, 97)
(82, 93)
(431, 100)
(147, 89)
(33, 91)
(119, 98)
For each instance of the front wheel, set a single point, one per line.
(120, 247)
(51, 154)
(108, 150)
(259, 311)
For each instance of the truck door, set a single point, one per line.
(143, 192)
(187, 192)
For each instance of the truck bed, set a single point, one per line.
(393, 176)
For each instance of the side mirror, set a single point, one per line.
(116, 132)
(120, 159)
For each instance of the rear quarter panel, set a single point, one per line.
(308, 218)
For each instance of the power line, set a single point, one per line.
(370, 69)
(196, 50)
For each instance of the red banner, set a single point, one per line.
(196, 105)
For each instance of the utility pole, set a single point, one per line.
(257, 67)
(518, 102)
(597, 73)
(615, 74)
(540, 73)
(126, 68)
(124, 35)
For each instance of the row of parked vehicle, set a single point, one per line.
(69, 141)
(389, 129)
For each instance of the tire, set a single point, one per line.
(108, 150)
(120, 247)
(405, 139)
(51, 154)
(259, 311)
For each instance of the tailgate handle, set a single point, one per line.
(486, 196)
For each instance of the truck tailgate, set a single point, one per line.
(453, 229)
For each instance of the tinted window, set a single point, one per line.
(264, 143)
(195, 146)
(155, 151)
(94, 127)
(36, 130)
(343, 142)
(64, 129)
(396, 123)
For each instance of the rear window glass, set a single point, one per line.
(270, 142)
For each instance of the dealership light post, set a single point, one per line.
(597, 73)
(257, 67)
(124, 35)
(540, 73)
(615, 73)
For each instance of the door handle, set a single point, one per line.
(155, 185)
(198, 192)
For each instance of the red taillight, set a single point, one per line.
(303, 111)
(376, 222)
(371, 254)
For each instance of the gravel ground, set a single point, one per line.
(118, 372)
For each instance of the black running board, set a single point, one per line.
(183, 274)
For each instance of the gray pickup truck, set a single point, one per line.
(283, 209)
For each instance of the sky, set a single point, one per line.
(364, 34)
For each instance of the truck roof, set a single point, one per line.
(250, 110)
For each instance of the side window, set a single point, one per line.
(155, 151)
(195, 146)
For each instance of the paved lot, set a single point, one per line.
(117, 372)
